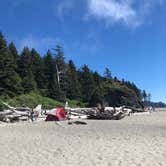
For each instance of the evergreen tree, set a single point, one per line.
(37, 68)
(97, 78)
(115, 79)
(144, 95)
(134, 88)
(3, 43)
(13, 51)
(60, 59)
(98, 94)
(53, 88)
(149, 97)
(59, 80)
(107, 74)
(73, 85)
(61, 69)
(123, 81)
(87, 83)
(10, 84)
(25, 71)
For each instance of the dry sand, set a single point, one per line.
(132, 141)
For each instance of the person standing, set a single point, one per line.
(32, 116)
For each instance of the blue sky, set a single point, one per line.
(127, 36)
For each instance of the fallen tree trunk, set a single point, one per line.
(95, 113)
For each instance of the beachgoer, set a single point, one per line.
(32, 116)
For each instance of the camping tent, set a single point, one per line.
(57, 114)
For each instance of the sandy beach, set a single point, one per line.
(132, 141)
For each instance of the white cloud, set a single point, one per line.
(112, 11)
(129, 12)
(44, 43)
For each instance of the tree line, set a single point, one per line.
(52, 76)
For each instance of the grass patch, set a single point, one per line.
(33, 99)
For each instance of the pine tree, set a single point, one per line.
(10, 84)
(25, 71)
(3, 43)
(37, 67)
(87, 83)
(108, 74)
(115, 79)
(13, 51)
(53, 89)
(73, 85)
(97, 78)
(61, 69)
(144, 95)
(58, 80)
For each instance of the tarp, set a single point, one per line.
(57, 114)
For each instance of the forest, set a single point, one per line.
(29, 76)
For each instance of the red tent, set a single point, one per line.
(57, 114)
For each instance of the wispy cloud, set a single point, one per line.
(129, 12)
(63, 7)
(113, 11)
(39, 43)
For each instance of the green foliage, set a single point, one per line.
(3, 43)
(76, 103)
(2, 99)
(114, 95)
(25, 71)
(87, 83)
(73, 85)
(37, 68)
(98, 79)
(108, 75)
(14, 53)
(51, 83)
(56, 80)
(33, 99)
(10, 82)
(61, 68)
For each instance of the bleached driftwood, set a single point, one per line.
(75, 115)
(95, 113)
(103, 113)
(14, 113)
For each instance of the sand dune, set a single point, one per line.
(132, 141)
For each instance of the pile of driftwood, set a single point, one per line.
(15, 114)
(106, 113)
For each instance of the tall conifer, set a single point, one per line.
(73, 85)
(10, 84)
(25, 71)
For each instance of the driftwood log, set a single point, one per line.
(107, 113)
(15, 114)
(94, 113)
